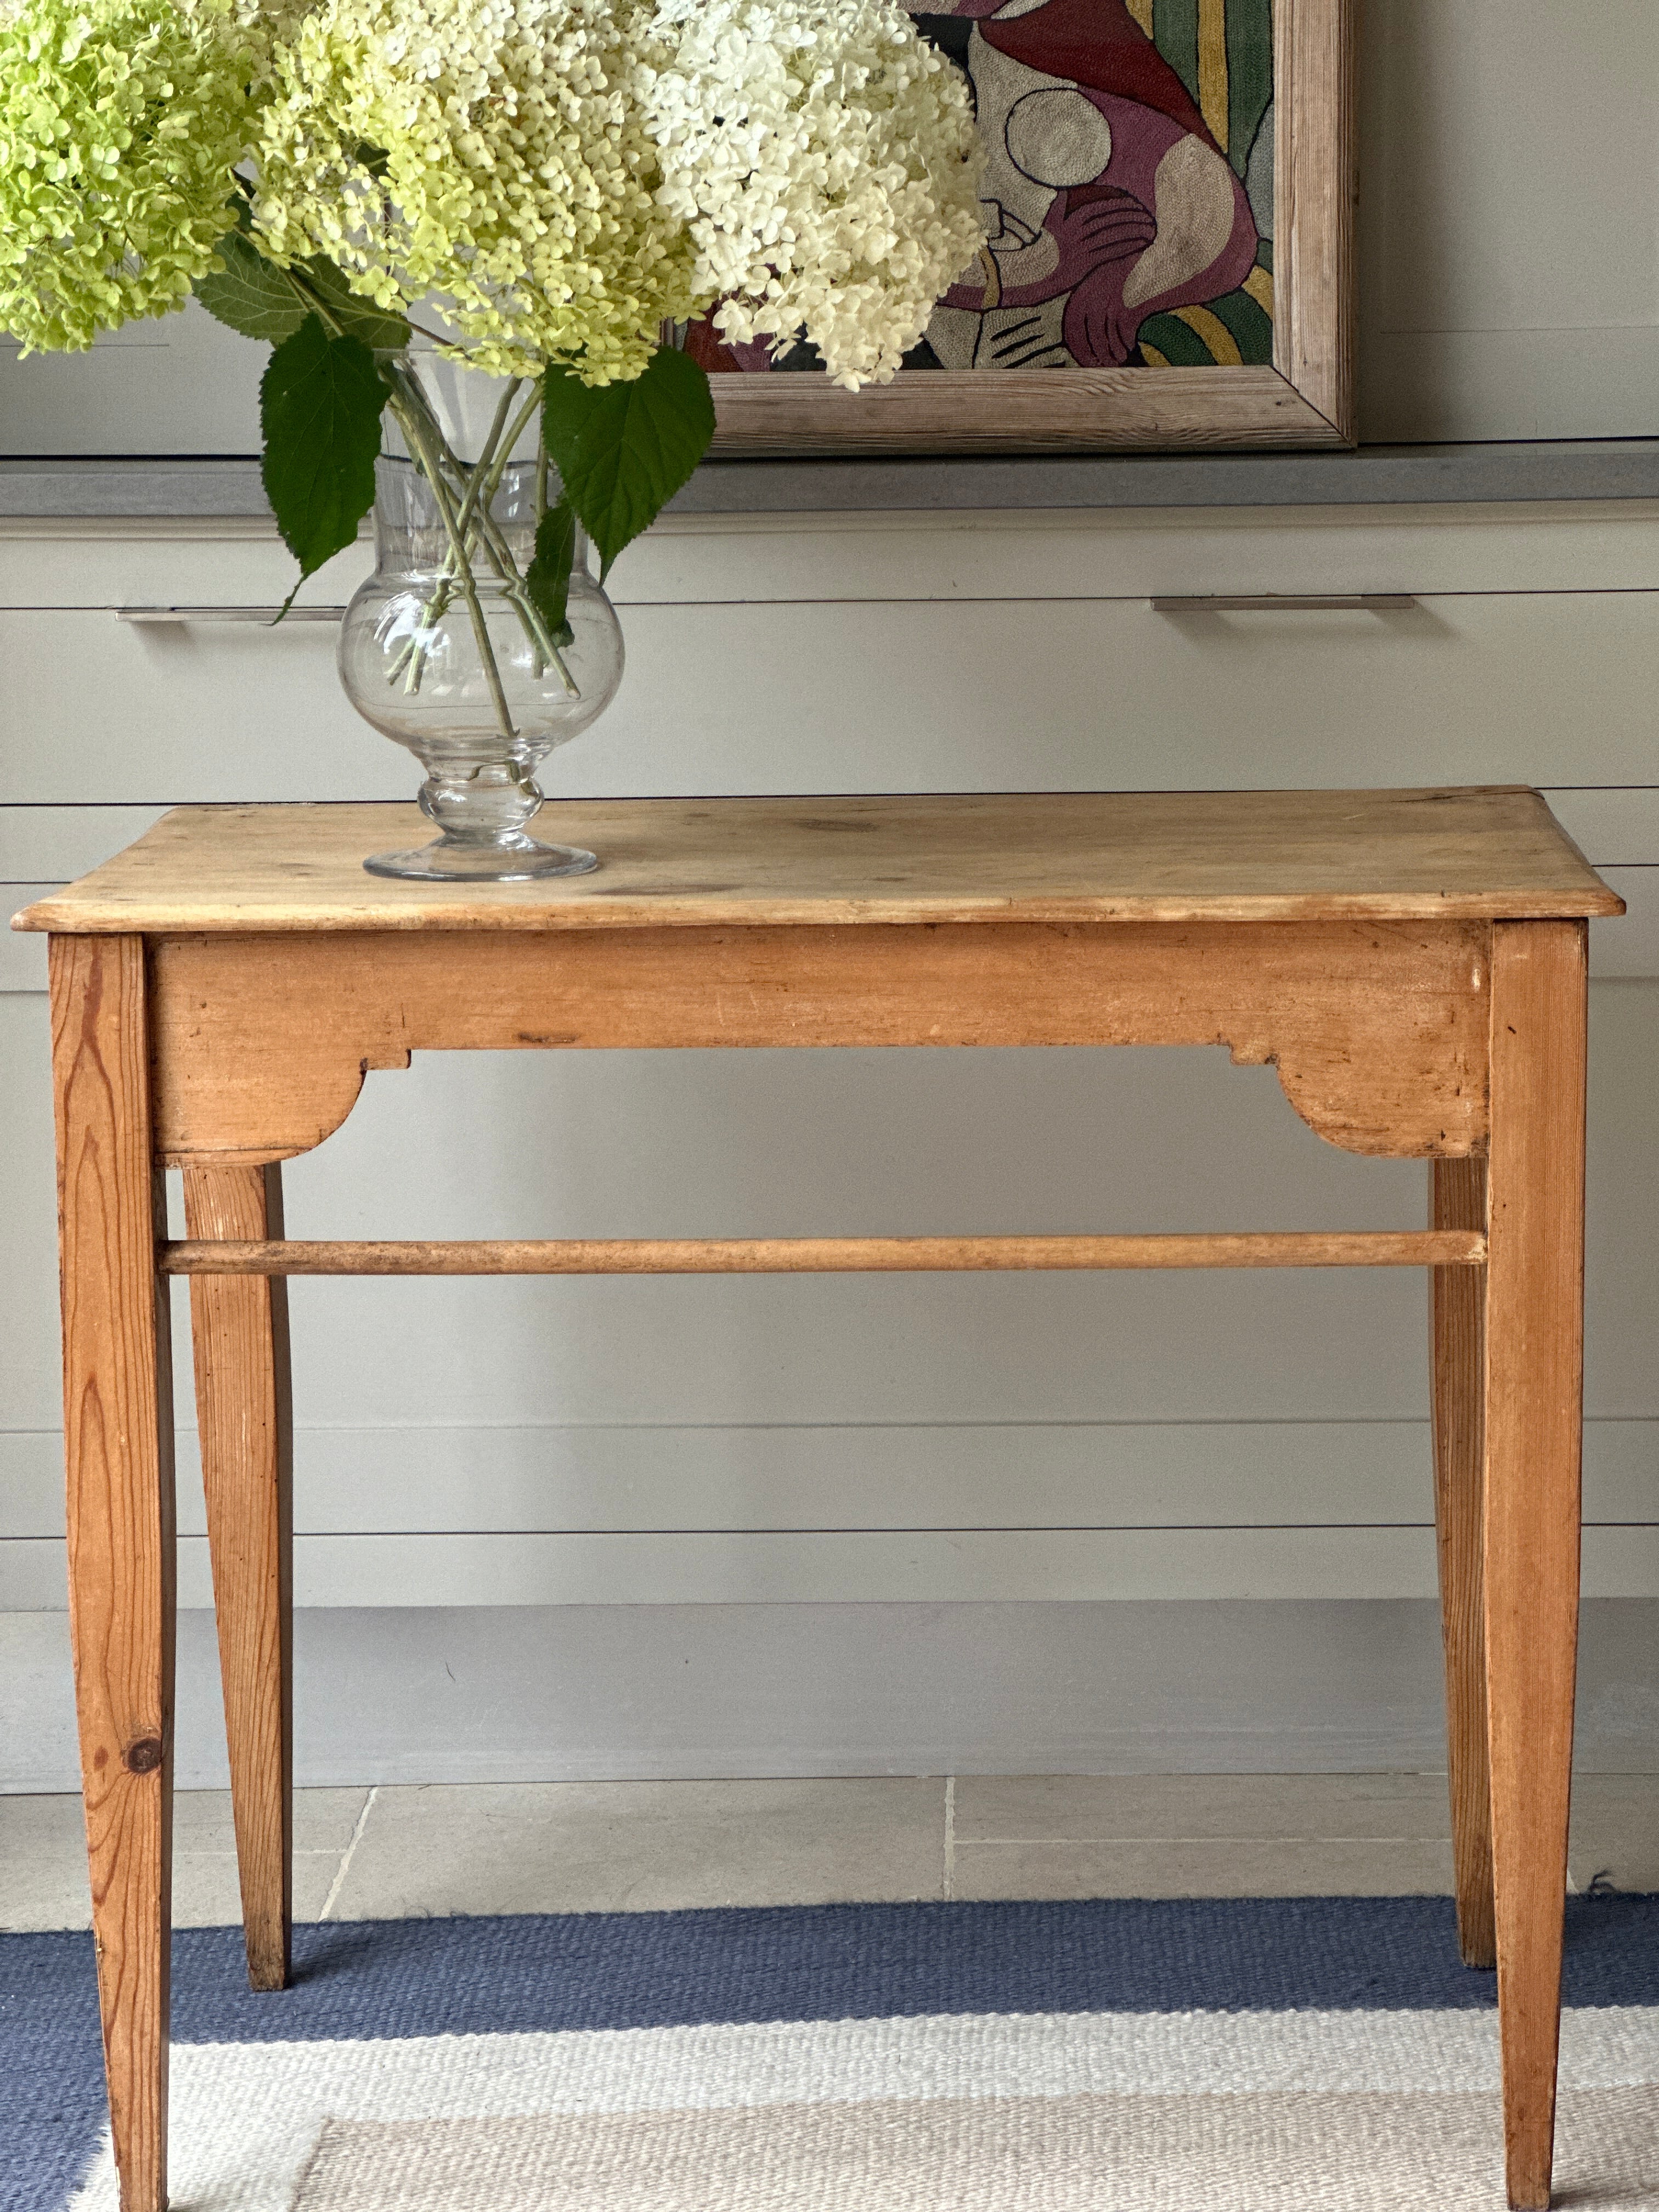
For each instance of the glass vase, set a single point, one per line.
(446, 649)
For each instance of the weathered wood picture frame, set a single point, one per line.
(1303, 398)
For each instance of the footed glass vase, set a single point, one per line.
(453, 646)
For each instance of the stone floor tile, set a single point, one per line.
(1615, 1831)
(1206, 1867)
(43, 1858)
(43, 1864)
(621, 1846)
(1083, 1808)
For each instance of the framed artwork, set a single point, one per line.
(1168, 193)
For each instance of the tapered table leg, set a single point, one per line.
(1457, 1300)
(117, 1427)
(245, 1416)
(1533, 1417)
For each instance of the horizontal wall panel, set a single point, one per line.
(911, 559)
(717, 1569)
(505, 1694)
(1548, 688)
(181, 384)
(1433, 386)
(1020, 1566)
(55, 844)
(22, 957)
(613, 1479)
(1457, 338)
(618, 1478)
(1613, 828)
(1628, 944)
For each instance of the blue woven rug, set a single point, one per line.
(1217, 2054)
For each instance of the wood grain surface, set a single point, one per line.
(1533, 1428)
(1457, 1302)
(244, 1404)
(793, 1256)
(1377, 1029)
(1074, 856)
(118, 1424)
(1013, 410)
(1315, 179)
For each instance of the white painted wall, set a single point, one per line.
(1509, 263)
(902, 1439)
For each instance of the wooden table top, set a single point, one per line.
(1139, 856)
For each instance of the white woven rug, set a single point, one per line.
(1348, 2111)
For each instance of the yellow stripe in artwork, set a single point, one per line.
(1214, 333)
(1260, 286)
(1142, 12)
(1213, 68)
(1152, 357)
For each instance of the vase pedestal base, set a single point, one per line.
(510, 860)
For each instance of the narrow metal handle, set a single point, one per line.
(228, 614)
(1285, 603)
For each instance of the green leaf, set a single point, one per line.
(319, 408)
(380, 329)
(548, 577)
(252, 295)
(624, 450)
(261, 301)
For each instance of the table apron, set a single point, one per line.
(1378, 1030)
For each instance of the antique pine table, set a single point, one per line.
(1411, 962)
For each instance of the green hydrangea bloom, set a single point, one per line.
(492, 153)
(120, 124)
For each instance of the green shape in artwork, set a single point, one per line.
(1177, 340)
(1248, 325)
(1250, 75)
(1174, 34)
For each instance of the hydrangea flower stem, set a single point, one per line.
(474, 525)
(410, 422)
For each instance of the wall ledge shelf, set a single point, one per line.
(196, 489)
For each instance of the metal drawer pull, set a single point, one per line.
(228, 614)
(1286, 603)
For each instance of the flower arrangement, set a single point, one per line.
(547, 188)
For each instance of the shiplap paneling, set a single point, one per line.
(505, 1694)
(962, 1566)
(1504, 294)
(55, 844)
(703, 1567)
(654, 1481)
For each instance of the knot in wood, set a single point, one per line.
(144, 1756)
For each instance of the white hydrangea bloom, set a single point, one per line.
(822, 157)
(565, 176)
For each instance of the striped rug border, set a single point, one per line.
(418, 1978)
